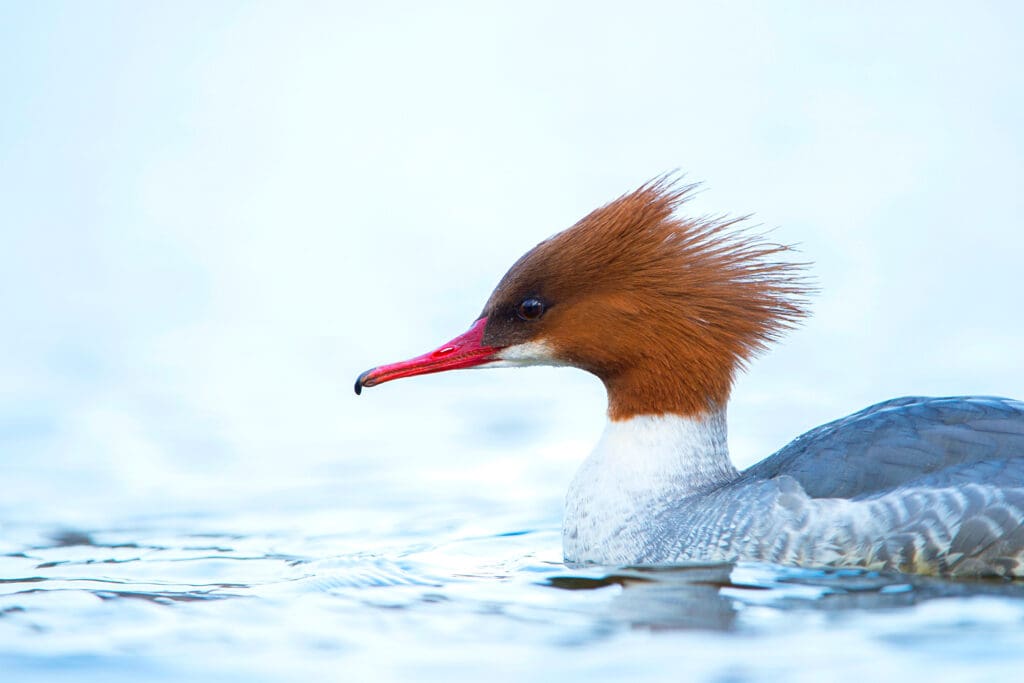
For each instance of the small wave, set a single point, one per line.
(362, 571)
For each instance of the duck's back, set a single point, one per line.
(906, 441)
(929, 485)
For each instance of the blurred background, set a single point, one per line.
(213, 216)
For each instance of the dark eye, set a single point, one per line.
(530, 309)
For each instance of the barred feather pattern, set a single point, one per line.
(973, 530)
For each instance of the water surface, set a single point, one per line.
(371, 572)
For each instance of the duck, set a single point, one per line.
(666, 310)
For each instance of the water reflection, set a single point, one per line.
(670, 598)
(715, 597)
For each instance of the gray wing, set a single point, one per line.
(910, 441)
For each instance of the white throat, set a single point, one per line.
(640, 467)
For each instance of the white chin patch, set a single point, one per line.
(520, 355)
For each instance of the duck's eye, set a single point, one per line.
(530, 309)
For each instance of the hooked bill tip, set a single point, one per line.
(361, 381)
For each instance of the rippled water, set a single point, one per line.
(420, 541)
(362, 575)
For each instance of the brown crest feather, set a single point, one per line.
(662, 308)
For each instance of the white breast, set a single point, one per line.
(640, 467)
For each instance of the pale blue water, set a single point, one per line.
(372, 570)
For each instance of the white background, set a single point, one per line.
(213, 216)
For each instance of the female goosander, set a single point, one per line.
(665, 310)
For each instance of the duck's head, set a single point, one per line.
(663, 309)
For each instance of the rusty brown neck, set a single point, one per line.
(687, 390)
